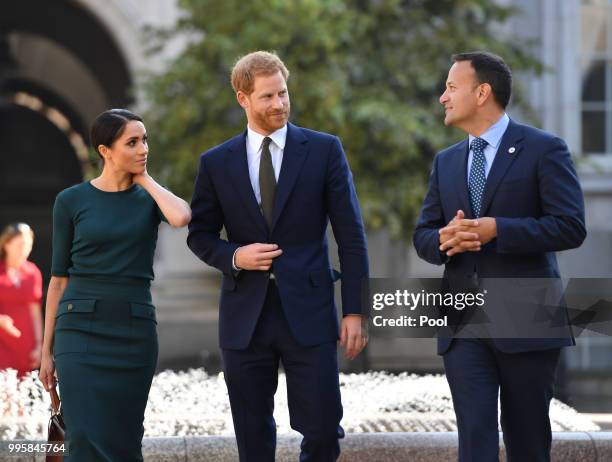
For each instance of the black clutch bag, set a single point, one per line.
(57, 428)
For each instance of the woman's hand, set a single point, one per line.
(6, 324)
(140, 178)
(47, 372)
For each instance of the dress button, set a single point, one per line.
(70, 307)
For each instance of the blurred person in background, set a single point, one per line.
(20, 297)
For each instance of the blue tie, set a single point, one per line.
(477, 179)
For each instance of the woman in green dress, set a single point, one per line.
(100, 330)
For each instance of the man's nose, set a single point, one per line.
(278, 102)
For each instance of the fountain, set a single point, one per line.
(194, 403)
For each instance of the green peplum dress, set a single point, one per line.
(105, 343)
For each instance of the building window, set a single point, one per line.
(596, 72)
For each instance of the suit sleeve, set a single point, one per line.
(207, 221)
(347, 224)
(426, 238)
(561, 225)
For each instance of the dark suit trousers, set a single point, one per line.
(477, 374)
(313, 389)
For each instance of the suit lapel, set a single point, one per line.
(503, 159)
(459, 173)
(238, 170)
(294, 154)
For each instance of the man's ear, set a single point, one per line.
(242, 99)
(484, 92)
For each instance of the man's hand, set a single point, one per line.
(459, 235)
(448, 231)
(457, 225)
(353, 336)
(455, 239)
(256, 257)
(6, 324)
(486, 229)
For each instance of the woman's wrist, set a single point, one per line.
(46, 350)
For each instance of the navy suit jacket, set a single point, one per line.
(315, 186)
(536, 199)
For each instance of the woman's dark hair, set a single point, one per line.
(490, 69)
(109, 126)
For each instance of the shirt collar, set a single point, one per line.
(279, 137)
(494, 133)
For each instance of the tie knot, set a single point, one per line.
(478, 144)
(266, 142)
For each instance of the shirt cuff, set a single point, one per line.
(234, 267)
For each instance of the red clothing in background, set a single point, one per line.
(15, 301)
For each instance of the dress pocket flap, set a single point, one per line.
(141, 310)
(76, 306)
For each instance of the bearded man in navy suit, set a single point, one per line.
(274, 188)
(499, 205)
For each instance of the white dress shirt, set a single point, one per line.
(253, 149)
(492, 136)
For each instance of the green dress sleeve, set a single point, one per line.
(63, 231)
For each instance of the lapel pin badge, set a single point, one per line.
(511, 150)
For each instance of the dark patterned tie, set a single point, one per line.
(267, 181)
(477, 179)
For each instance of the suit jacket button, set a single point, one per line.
(70, 306)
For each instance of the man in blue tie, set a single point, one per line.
(274, 188)
(499, 205)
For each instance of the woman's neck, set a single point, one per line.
(13, 264)
(113, 181)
